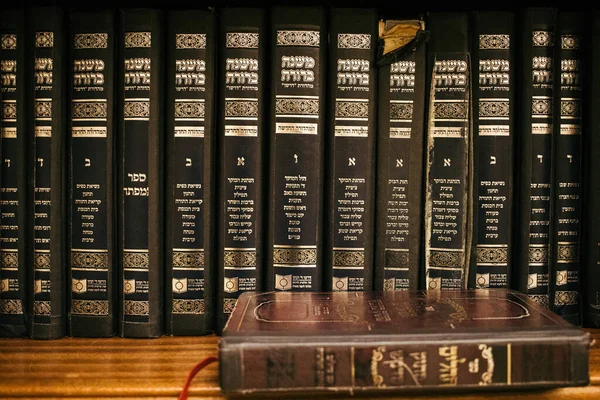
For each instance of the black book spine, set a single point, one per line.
(242, 66)
(350, 142)
(47, 282)
(140, 191)
(567, 159)
(493, 49)
(190, 171)
(400, 132)
(591, 244)
(15, 199)
(91, 174)
(448, 155)
(535, 171)
(298, 50)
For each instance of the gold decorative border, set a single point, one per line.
(44, 39)
(566, 298)
(348, 258)
(541, 299)
(294, 256)
(241, 40)
(360, 41)
(11, 307)
(188, 259)
(42, 308)
(89, 307)
(138, 39)
(136, 308)
(239, 258)
(41, 260)
(568, 252)
(297, 106)
(351, 109)
(134, 259)
(538, 254)
(90, 41)
(188, 306)
(543, 38)
(8, 42)
(570, 42)
(492, 255)
(190, 41)
(229, 305)
(494, 42)
(401, 110)
(298, 38)
(85, 259)
(9, 259)
(448, 259)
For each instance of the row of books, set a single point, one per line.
(148, 177)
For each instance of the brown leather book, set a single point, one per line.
(398, 341)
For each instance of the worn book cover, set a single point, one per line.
(398, 341)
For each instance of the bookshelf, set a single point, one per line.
(158, 368)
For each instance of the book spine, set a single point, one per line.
(399, 218)
(140, 174)
(494, 43)
(91, 174)
(448, 155)
(567, 159)
(294, 249)
(190, 166)
(48, 299)
(350, 143)
(537, 73)
(243, 41)
(15, 231)
(591, 237)
(363, 367)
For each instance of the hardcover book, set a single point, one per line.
(47, 303)
(189, 174)
(398, 341)
(350, 142)
(15, 175)
(400, 132)
(91, 230)
(242, 135)
(297, 109)
(140, 174)
(448, 180)
(493, 50)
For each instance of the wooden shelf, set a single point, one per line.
(158, 368)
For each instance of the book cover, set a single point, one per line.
(243, 40)
(535, 153)
(400, 132)
(48, 293)
(190, 168)
(297, 133)
(15, 175)
(493, 49)
(91, 226)
(448, 181)
(350, 147)
(140, 173)
(395, 341)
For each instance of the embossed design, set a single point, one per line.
(42, 308)
(492, 255)
(541, 299)
(389, 284)
(188, 259)
(562, 277)
(486, 354)
(231, 285)
(482, 281)
(541, 107)
(229, 305)
(41, 260)
(298, 38)
(538, 255)
(339, 284)
(43, 109)
(11, 307)
(191, 109)
(570, 108)
(90, 41)
(44, 39)
(190, 41)
(396, 259)
(351, 109)
(241, 108)
(434, 283)
(491, 108)
(361, 41)
(532, 281)
(348, 258)
(136, 109)
(281, 368)
(8, 42)
(450, 110)
(401, 111)
(134, 259)
(297, 106)
(239, 258)
(138, 39)
(570, 42)
(140, 308)
(89, 307)
(449, 259)
(494, 42)
(9, 259)
(566, 298)
(241, 40)
(283, 282)
(85, 259)
(294, 256)
(9, 110)
(92, 109)
(568, 252)
(543, 38)
(188, 306)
